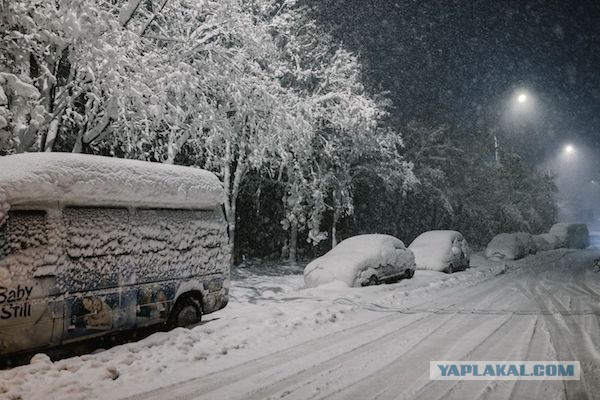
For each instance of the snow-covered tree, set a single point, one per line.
(344, 121)
(91, 74)
(217, 95)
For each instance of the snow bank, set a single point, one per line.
(510, 246)
(353, 259)
(574, 236)
(85, 179)
(436, 250)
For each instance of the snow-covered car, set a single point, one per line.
(510, 246)
(362, 260)
(573, 236)
(443, 250)
(545, 242)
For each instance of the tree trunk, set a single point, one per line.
(231, 221)
(51, 136)
(293, 246)
(232, 178)
(336, 217)
(229, 204)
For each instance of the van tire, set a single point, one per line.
(187, 312)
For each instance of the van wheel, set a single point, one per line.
(186, 312)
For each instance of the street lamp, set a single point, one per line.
(521, 102)
(569, 149)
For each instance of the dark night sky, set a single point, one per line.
(459, 61)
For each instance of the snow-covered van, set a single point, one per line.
(91, 245)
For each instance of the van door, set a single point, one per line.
(159, 242)
(97, 246)
(128, 290)
(31, 313)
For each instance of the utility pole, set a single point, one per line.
(496, 150)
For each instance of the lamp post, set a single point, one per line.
(520, 102)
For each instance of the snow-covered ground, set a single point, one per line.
(278, 340)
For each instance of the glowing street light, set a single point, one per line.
(520, 104)
(569, 149)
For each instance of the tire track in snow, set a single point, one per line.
(539, 349)
(382, 358)
(319, 384)
(224, 377)
(408, 373)
(193, 388)
(511, 341)
(439, 346)
(311, 374)
(569, 340)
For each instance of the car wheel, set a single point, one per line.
(449, 269)
(372, 281)
(186, 312)
(410, 273)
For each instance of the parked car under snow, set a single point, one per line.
(510, 246)
(445, 251)
(362, 261)
(573, 236)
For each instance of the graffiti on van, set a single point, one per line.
(91, 313)
(14, 302)
(153, 303)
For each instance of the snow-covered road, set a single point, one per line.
(277, 340)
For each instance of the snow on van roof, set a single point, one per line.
(82, 179)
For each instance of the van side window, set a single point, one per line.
(97, 245)
(3, 241)
(172, 243)
(24, 229)
(96, 231)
